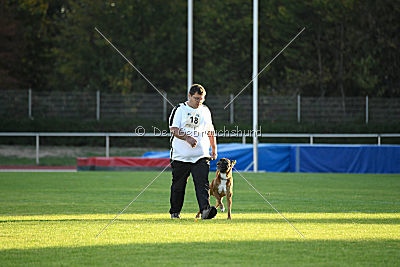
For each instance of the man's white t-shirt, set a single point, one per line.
(196, 123)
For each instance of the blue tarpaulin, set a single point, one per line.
(308, 158)
(346, 158)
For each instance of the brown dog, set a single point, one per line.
(222, 185)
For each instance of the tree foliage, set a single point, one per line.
(27, 36)
(349, 47)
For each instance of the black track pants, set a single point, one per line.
(180, 175)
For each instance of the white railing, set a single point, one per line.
(311, 137)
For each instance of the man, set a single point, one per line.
(192, 135)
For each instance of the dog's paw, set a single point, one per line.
(222, 209)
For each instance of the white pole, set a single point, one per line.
(37, 149)
(107, 146)
(30, 103)
(98, 105)
(190, 44)
(366, 109)
(298, 107)
(232, 115)
(165, 106)
(255, 84)
(297, 158)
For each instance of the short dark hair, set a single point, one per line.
(197, 88)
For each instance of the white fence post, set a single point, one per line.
(165, 106)
(37, 149)
(107, 146)
(232, 117)
(366, 109)
(298, 107)
(30, 103)
(98, 105)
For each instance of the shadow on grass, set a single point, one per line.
(304, 252)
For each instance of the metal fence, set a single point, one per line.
(97, 105)
(107, 136)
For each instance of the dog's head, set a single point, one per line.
(224, 165)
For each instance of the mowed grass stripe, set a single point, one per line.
(80, 230)
(110, 192)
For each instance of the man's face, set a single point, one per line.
(196, 100)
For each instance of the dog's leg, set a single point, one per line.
(212, 193)
(198, 214)
(216, 203)
(221, 204)
(229, 202)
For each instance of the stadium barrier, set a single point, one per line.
(308, 158)
(107, 137)
(121, 164)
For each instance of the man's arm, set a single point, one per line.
(213, 143)
(178, 133)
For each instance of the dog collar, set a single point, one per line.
(220, 176)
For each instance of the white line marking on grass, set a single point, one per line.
(144, 189)
(266, 200)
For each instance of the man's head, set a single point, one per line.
(197, 95)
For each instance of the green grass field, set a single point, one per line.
(53, 218)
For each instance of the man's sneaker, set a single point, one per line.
(175, 216)
(209, 213)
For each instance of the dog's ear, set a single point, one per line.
(233, 162)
